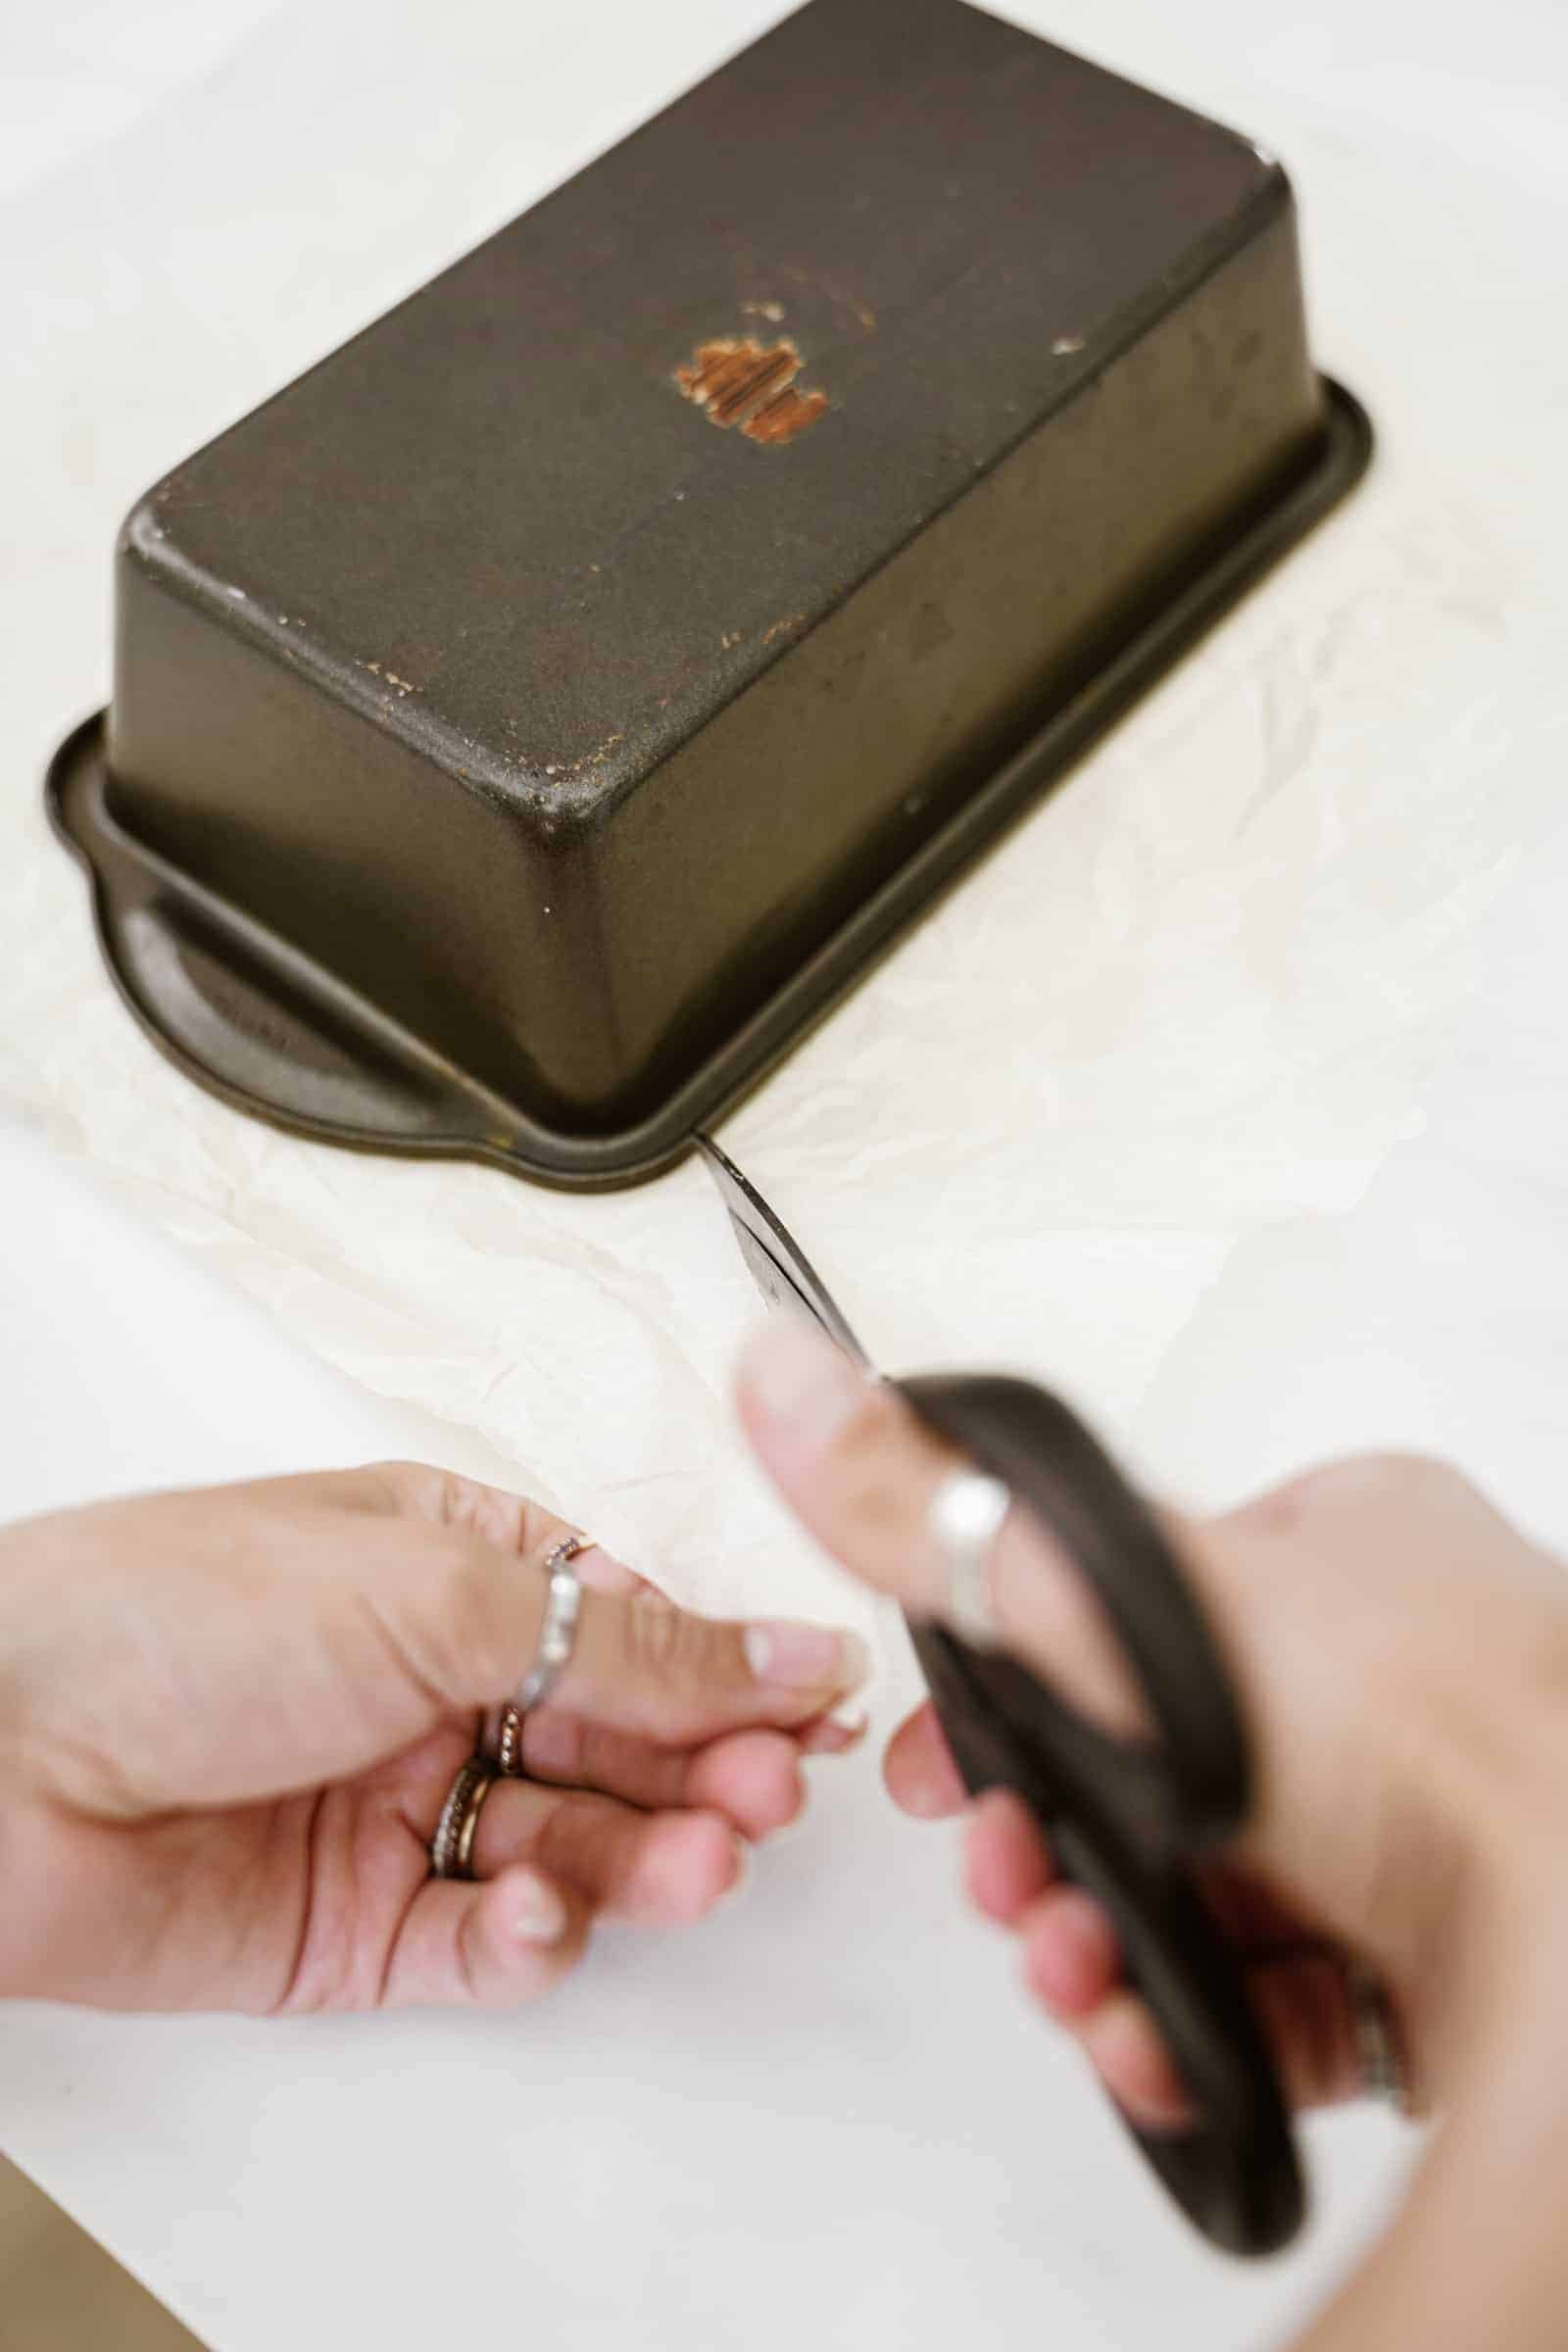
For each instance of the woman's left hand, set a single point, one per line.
(229, 1721)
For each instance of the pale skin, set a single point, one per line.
(1403, 1653)
(228, 1719)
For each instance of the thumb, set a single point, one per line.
(861, 1468)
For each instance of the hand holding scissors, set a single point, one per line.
(1082, 1669)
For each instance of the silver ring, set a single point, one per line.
(964, 1519)
(452, 1847)
(501, 1739)
(1379, 2043)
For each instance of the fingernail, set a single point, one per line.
(805, 1657)
(803, 1383)
(836, 1733)
(538, 1914)
(743, 1867)
(850, 1717)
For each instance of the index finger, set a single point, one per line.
(641, 1667)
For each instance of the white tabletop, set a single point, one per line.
(1294, 1144)
(825, 2115)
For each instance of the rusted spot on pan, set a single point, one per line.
(735, 380)
(789, 413)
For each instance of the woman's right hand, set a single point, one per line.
(1402, 1654)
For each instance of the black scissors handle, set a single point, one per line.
(1126, 1821)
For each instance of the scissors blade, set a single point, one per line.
(779, 1266)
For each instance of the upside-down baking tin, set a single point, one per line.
(529, 720)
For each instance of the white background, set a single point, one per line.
(1259, 1149)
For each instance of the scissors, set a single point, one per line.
(1125, 1821)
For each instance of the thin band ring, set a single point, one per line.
(1380, 2045)
(509, 1744)
(452, 1847)
(964, 1518)
(558, 1634)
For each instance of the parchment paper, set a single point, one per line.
(1229, 1095)
(1185, 1025)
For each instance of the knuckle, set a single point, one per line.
(873, 1463)
(462, 1580)
(452, 1500)
(462, 1503)
(563, 1835)
(1373, 1472)
(407, 1485)
(561, 1747)
(665, 1647)
(425, 1492)
(446, 1498)
(1349, 1484)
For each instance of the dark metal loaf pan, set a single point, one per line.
(527, 722)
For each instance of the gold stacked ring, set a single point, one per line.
(452, 1847)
